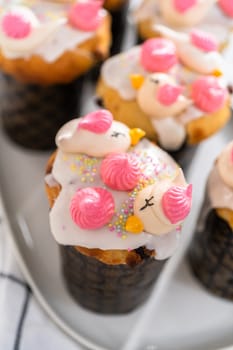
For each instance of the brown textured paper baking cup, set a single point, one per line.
(32, 114)
(108, 289)
(211, 255)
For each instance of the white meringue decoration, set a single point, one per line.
(71, 139)
(193, 57)
(188, 18)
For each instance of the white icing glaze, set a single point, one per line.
(117, 69)
(225, 165)
(69, 171)
(214, 21)
(221, 195)
(165, 245)
(220, 184)
(171, 133)
(62, 37)
(50, 181)
(190, 114)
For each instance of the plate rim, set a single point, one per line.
(58, 321)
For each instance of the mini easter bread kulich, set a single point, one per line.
(211, 251)
(174, 89)
(46, 42)
(117, 206)
(45, 48)
(215, 16)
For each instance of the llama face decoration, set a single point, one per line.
(211, 15)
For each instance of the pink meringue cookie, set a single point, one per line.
(15, 25)
(176, 203)
(203, 40)
(120, 171)
(158, 55)
(226, 6)
(97, 122)
(92, 207)
(168, 94)
(184, 5)
(86, 15)
(207, 94)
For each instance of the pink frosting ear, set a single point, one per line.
(120, 171)
(204, 41)
(176, 203)
(16, 26)
(97, 122)
(86, 14)
(92, 207)
(226, 6)
(208, 95)
(158, 55)
(168, 94)
(184, 5)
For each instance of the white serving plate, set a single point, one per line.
(180, 314)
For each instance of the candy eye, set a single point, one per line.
(148, 203)
(116, 134)
(156, 81)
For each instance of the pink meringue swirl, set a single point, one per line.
(168, 94)
(176, 203)
(92, 207)
(184, 5)
(226, 6)
(120, 171)
(15, 25)
(86, 15)
(207, 94)
(158, 55)
(204, 41)
(97, 122)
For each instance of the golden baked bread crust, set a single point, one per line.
(204, 127)
(111, 257)
(67, 67)
(128, 112)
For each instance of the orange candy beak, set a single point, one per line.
(136, 80)
(217, 73)
(136, 134)
(134, 225)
